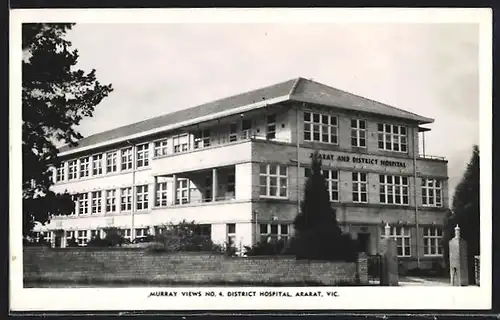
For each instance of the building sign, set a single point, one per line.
(362, 160)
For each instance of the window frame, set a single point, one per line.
(433, 241)
(437, 192)
(142, 155)
(110, 200)
(73, 169)
(392, 189)
(359, 183)
(179, 189)
(179, 146)
(126, 193)
(356, 133)
(84, 167)
(160, 148)
(161, 199)
(332, 129)
(126, 154)
(83, 198)
(387, 136)
(271, 126)
(96, 202)
(142, 197)
(111, 161)
(97, 164)
(269, 235)
(405, 236)
(60, 172)
(202, 139)
(277, 176)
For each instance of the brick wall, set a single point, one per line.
(121, 264)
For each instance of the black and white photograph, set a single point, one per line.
(223, 159)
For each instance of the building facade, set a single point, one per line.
(237, 167)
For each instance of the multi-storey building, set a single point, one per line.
(237, 166)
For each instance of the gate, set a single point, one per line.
(374, 268)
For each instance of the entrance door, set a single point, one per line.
(364, 242)
(58, 241)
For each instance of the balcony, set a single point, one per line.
(230, 151)
(429, 157)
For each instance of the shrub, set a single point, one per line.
(71, 243)
(155, 247)
(184, 236)
(266, 248)
(115, 237)
(99, 242)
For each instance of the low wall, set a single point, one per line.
(132, 264)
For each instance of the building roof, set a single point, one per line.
(298, 89)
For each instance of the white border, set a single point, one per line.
(355, 298)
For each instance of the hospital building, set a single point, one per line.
(237, 167)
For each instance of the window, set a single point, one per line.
(182, 191)
(231, 182)
(127, 158)
(60, 172)
(332, 182)
(246, 129)
(358, 133)
(161, 194)
(204, 230)
(142, 197)
(142, 155)
(432, 241)
(82, 238)
(127, 234)
(233, 132)
(231, 233)
(180, 143)
(402, 237)
(359, 187)
(83, 203)
(96, 202)
(84, 167)
(126, 199)
(95, 234)
(72, 170)
(202, 139)
(45, 236)
(141, 233)
(273, 180)
(320, 128)
(110, 200)
(207, 189)
(111, 162)
(393, 189)
(161, 148)
(432, 193)
(70, 235)
(271, 126)
(273, 232)
(392, 137)
(97, 164)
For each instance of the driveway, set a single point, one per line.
(423, 281)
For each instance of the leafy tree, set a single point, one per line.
(55, 97)
(114, 237)
(317, 233)
(465, 213)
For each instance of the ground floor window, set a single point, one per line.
(403, 240)
(231, 232)
(141, 233)
(203, 230)
(127, 234)
(273, 232)
(82, 238)
(432, 241)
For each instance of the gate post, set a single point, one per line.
(362, 268)
(459, 275)
(389, 257)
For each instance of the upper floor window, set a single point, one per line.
(202, 139)
(432, 193)
(60, 172)
(126, 199)
(392, 137)
(96, 202)
(273, 180)
(111, 162)
(161, 194)
(332, 182)
(180, 143)
(83, 203)
(127, 158)
(231, 180)
(161, 148)
(142, 155)
(393, 189)
(84, 167)
(182, 191)
(359, 187)
(246, 129)
(320, 128)
(142, 197)
(271, 126)
(432, 241)
(97, 164)
(110, 200)
(358, 133)
(72, 170)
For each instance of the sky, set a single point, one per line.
(428, 69)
